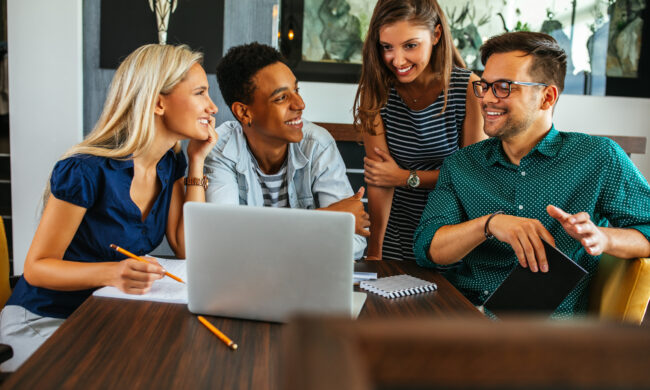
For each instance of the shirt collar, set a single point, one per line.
(236, 147)
(548, 146)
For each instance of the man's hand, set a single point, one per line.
(385, 172)
(582, 229)
(525, 237)
(353, 205)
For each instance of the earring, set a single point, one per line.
(250, 123)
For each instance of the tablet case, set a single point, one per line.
(527, 291)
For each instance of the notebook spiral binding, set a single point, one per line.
(398, 286)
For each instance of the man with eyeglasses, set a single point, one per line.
(495, 201)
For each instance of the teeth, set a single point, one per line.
(404, 70)
(204, 121)
(494, 113)
(294, 122)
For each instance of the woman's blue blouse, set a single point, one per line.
(102, 186)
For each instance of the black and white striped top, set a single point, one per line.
(274, 186)
(419, 140)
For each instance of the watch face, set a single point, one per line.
(413, 180)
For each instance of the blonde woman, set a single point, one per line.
(414, 106)
(124, 185)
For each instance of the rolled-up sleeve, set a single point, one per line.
(443, 208)
(222, 177)
(331, 184)
(625, 200)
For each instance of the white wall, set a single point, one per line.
(601, 115)
(45, 102)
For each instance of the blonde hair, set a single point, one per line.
(376, 79)
(125, 128)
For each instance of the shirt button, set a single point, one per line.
(521, 207)
(486, 292)
(144, 231)
(523, 173)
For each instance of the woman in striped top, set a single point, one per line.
(414, 107)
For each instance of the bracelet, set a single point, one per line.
(195, 181)
(489, 235)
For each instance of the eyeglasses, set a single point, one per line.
(500, 88)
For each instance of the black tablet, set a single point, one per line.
(539, 292)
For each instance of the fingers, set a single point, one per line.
(382, 154)
(557, 213)
(141, 272)
(369, 163)
(362, 224)
(543, 233)
(137, 290)
(581, 217)
(136, 277)
(529, 250)
(150, 259)
(525, 237)
(359, 194)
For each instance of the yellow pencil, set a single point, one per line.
(218, 333)
(136, 257)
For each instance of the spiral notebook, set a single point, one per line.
(398, 286)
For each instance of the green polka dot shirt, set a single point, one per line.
(573, 171)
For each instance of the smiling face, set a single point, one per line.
(406, 49)
(275, 113)
(186, 110)
(507, 117)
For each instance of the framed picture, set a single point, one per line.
(322, 39)
(127, 25)
(607, 41)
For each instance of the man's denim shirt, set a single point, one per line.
(315, 172)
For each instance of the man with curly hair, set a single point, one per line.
(270, 156)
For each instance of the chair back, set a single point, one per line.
(620, 289)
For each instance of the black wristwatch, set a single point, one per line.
(414, 180)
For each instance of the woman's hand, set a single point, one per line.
(384, 173)
(197, 150)
(135, 277)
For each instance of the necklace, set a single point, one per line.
(410, 97)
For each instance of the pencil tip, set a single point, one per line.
(234, 347)
(113, 246)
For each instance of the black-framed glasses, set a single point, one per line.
(500, 88)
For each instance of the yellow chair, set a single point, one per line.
(5, 289)
(620, 289)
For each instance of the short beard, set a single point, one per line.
(513, 127)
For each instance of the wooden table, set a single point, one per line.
(111, 343)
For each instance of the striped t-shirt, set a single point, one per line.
(274, 186)
(419, 140)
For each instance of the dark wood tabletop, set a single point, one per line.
(113, 343)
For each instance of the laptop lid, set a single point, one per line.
(527, 291)
(266, 263)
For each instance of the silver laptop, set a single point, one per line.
(267, 263)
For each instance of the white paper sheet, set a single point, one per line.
(163, 290)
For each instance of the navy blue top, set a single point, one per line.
(102, 186)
